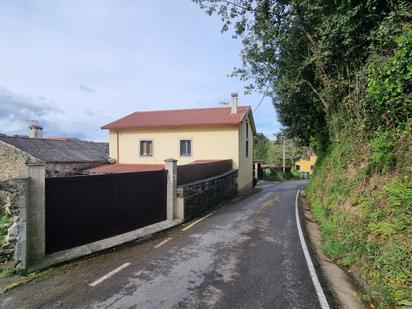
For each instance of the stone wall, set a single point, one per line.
(12, 163)
(70, 168)
(13, 199)
(202, 195)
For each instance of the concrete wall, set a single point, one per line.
(245, 178)
(36, 215)
(12, 162)
(207, 144)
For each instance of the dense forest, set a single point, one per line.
(340, 77)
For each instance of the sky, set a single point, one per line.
(74, 66)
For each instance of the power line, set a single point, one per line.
(261, 100)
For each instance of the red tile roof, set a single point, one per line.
(57, 138)
(200, 117)
(124, 168)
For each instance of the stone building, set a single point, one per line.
(64, 157)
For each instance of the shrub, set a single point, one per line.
(383, 154)
(389, 83)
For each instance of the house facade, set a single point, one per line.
(306, 165)
(187, 135)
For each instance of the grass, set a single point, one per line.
(26, 277)
(365, 216)
(10, 272)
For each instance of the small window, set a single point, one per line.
(247, 148)
(247, 129)
(297, 167)
(311, 167)
(146, 148)
(185, 148)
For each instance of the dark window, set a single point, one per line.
(146, 148)
(185, 147)
(247, 138)
(297, 167)
(311, 167)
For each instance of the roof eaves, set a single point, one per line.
(206, 125)
(249, 113)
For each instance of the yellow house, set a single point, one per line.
(305, 166)
(187, 135)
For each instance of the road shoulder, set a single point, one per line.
(338, 282)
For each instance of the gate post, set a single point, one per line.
(36, 209)
(171, 167)
(256, 171)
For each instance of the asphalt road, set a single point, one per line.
(245, 255)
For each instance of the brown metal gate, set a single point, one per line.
(83, 209)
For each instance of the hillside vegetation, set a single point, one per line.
(361, 194)
(340, 76)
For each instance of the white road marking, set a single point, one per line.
(319, 291)
(107, 276)
(197, 221)
(162, 243)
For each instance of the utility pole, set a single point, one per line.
(284, 141)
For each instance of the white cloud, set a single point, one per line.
(16, 111)
(138, 55)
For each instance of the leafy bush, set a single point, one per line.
(281, 176)
(383, 156)
(389, 86)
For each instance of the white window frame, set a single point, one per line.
(191, 147)
(140, 147)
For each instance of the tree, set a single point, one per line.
(311, 58)
(271, 152)
(260, 147)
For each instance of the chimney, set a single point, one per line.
(234, 102)
(35, 131)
